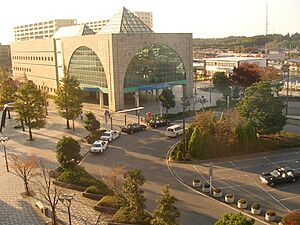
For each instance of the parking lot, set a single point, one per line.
(241, 178)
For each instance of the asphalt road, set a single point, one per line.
(146, 151)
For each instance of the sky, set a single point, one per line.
(203, 18)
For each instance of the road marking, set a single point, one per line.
(271, 162)
(283, 188)
(234, 165)
(275, 199)
(284, 199)
(199, 173)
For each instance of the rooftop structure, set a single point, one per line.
(71, 31)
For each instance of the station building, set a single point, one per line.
(126, 56)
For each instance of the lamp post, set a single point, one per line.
(286, 73)
(66, 199)
(3, 141)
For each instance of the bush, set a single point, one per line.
(291, 218)
(256, 206)
(79, 176)
(196, 180)
(95, 136)
(112, 201)
(55, 173)
(123, 216)
(270, 213)
(93, 190)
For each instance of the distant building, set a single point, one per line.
(226, 64)
(5, 57)
(97, 25)
(41, 30)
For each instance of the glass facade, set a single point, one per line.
(87, 68)
(154, 67)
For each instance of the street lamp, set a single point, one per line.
(66, 199)
(3, 141)
(286, 74)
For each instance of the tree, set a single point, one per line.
(29, 104)
(165, 212)
(50, 193)
(134, 208)
(25, 168)
(263, 109)
(67, 152)
(113, 181)
(68, 98)
(92, 125)
(221, 83)
(269, 73)
(245, 75)
(195, 143)
(233, 219)
(167, 98)
(8, 88)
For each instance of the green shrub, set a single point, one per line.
(93, 190)
(79, 176)
(112, 201)
(121, 216)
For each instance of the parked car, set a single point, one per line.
(133, 127)
(99, 146)
(279, 175)
(174, 131)
(110, 135)
(154, 123)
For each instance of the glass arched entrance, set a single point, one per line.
(155, 67)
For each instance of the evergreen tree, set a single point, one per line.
(67, 152)
(167, 98)
(263, 109)
(29, 104)
(135, 206)
(8, 88)
(233, 219)
(195, 144)
(165, 212)
(92, 125)
(68, 98)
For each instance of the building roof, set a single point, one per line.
(234, 59)
(125, 22)
(71, 31)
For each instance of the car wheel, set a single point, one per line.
(131, 131)
(271, 184)
(294, 179)
(155, 126)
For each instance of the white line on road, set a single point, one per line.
(293, 197)
(235, 166)
(271, 162)
(275, 199)
(283, 188)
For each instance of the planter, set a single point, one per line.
(70, 186)
(242, 204)
(229, 198)
(217, 192)
(256, 209)
(92, 196)
(106, 210)
(196, 183)
(270, 216)
(206, 188)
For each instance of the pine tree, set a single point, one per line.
(68, 98)
(167, 98)
(165, 213)
(29, 104)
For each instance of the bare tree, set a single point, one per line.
(114, 181)
(25, 167)
(50, 193)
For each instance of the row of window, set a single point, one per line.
(222, 64)
(22, 69)
(36, 32)
(40, 58)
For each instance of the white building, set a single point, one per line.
(41, 30)
(226, 64)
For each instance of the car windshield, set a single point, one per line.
(106, 134)
(275, 173)
(170, 129)
(97, 145)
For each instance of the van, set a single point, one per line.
(174, 131)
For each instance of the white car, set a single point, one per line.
(110, 135)
(99, 146)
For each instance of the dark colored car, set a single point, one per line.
(279, 175)
(158, 123)
(132, 128)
